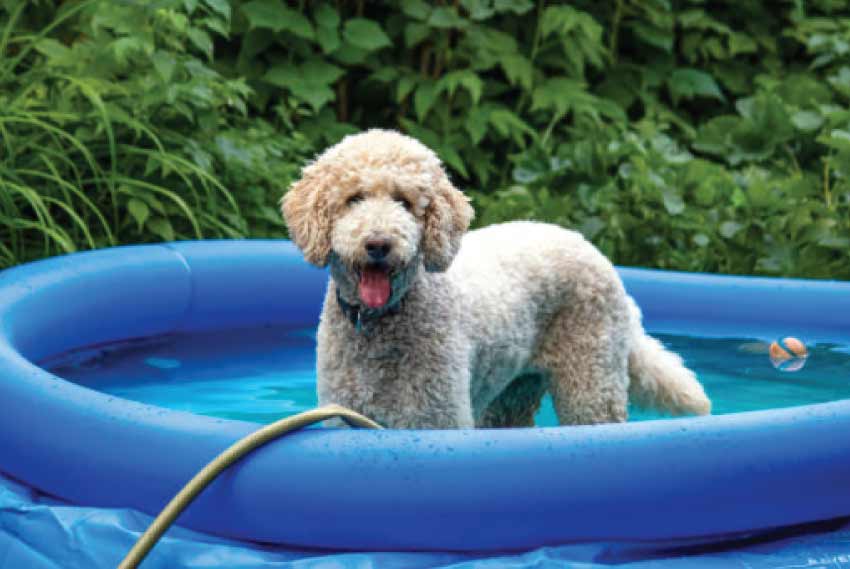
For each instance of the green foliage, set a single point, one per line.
(710, 136)
(116, 129)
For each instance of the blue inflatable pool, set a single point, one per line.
(402, 490)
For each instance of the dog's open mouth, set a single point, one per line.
(374, 287)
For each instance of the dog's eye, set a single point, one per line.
(354, 199)
(403, 201)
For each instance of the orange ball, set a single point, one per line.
(788, 355)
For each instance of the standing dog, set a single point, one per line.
(424, 327)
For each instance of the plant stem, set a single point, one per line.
(535, 46)
(615, 31)
(535, 42)
(826, 189)
(555, 118)
(342, 100)
(424, 59)
(794, 163)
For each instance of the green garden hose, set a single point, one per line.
(235, 452)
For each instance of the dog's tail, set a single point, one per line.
(658, 378)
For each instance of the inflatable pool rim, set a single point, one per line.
(464, 490)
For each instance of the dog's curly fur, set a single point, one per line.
(472, 335)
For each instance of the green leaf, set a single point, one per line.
(299, 25)
(254, 42)
(162, 227)
(216, 25)
(580, 34)
(415, 33)
(837, 139)
(127, 47)
(424, 99)
(320, 71)
(365, 34)
(476, 123)
(404, 87)
(714, 136)
(701, 240)
(317, 97)
(742, 43)
(478, 9)
(807, 121)
(591, 227)
(446, 18)
(687, 83)
(314, 72)
(508, 124)
(275, 15)
(449, 155)
(768, 124)
(416, 9)
(804, 90)
(662, 38)
(560, 19)
(672, 201)
(164, 63)
(518, 69)
(834, 242)
(841, 81)
(516, 6)
(222, 7)
(705, 194)
(139, 210)
(384, 75)
(462, 78)
(557, 94)
(283, 75)
(202, 41)
(327, 29)
(328, 39)
(57, 53)
(266, 14)
(729, 229)
(309, 82)
(351, 55)
(326, 16)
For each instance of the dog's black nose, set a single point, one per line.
(378, 248)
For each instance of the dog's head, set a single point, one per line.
(373, 206)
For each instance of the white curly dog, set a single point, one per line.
(424, 327)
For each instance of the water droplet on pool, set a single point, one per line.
(163, 363)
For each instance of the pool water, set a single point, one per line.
(263, 374)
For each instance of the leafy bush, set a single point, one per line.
(687, 134)
(117, 129)
(680, 134)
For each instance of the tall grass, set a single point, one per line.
(109, 126)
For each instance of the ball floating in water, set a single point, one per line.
(788, 355)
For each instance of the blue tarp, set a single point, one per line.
(40, 532)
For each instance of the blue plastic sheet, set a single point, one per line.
(40, 532)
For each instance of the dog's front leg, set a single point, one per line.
(422, 387)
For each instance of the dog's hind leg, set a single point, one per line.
(517, 404)
(585, 355)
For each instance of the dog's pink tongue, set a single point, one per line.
(374, 287)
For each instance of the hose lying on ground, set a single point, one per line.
(235, 452)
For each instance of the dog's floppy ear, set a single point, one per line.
(447, 217)
(305, 210)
